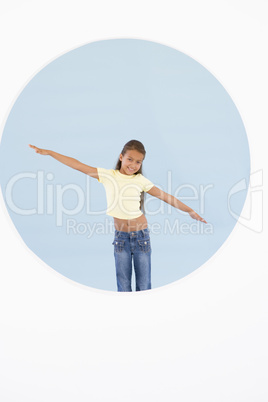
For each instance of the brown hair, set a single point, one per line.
(137, 146)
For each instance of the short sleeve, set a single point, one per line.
(146, 184)
(103, 174)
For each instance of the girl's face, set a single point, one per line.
(130, 162)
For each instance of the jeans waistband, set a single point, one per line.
(138, 233)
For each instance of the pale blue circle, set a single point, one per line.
(87, 104)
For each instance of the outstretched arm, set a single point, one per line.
(66, 160)
(174, 202)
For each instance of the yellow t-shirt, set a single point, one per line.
(123, 192)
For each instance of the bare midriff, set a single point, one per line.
(130, 225)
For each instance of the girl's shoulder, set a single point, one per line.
(104, 170)
(105, 174)
(144, 182)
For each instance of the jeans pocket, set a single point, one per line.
(144, 245)
(118, 245)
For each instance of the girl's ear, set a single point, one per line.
(121, 157)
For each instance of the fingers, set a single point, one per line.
(32, 146)
(38, 150)
(201, 219)
(197, 217)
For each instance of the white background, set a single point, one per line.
(203, 338)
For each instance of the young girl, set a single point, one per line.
(125, 186)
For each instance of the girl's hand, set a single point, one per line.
(39, 150)
(194, 215)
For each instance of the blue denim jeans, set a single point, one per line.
(136, 246)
